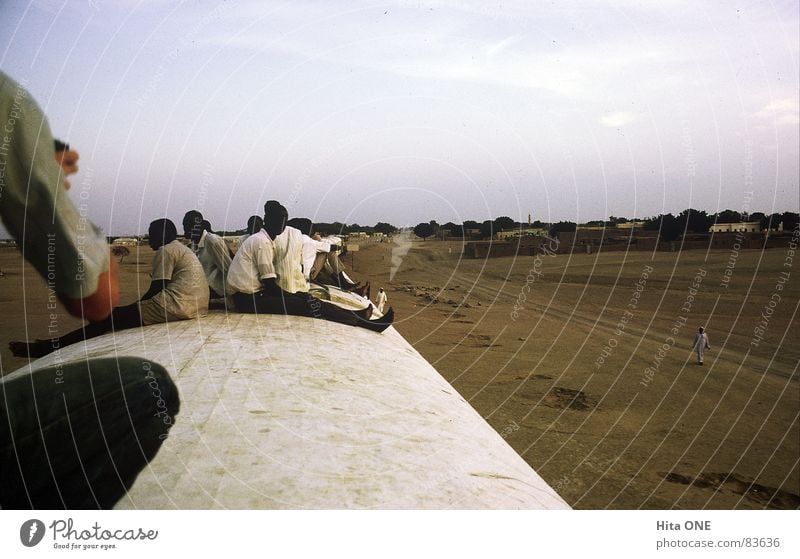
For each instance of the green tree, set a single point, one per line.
(729, 216)
(504, 223)
(695, 221)
(385, 228)
(424, 230)
(487, 229)
(790, 221)
(668, 226)
(562, 227)
(120, 252)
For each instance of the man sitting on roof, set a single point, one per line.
(254, 225)
(178, 291)
(211, 251)
(266, 277)
(322, 255)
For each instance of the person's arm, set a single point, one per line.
(66, 249)
(270, 287)
(163, 265)
(156, 286)
(222, 256)
(264, 256)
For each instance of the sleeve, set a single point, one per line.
(265, 261)
(58, 240)
(322, 246)
(163, 264)
(221, 255)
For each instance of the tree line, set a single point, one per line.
(670, 226)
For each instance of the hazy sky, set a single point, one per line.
(404, 112)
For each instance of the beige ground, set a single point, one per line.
(724, 435)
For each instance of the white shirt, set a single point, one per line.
(254, 261)
(186, 294)
(213, 254)
(64, 247)
(289, 261)
(311, 247)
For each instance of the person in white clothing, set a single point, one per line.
(701, 344)
(381, 301)
(321, 254)
(211, 251)
(289, 260)
(266, 277)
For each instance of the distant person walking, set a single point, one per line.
(701, 344)
(381, 301)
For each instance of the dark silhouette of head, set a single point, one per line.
(302, 223)
(254, 224)
(161, 232)
(207, 225)
(275, 218)
(193, 225)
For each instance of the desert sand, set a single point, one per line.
(583, 363)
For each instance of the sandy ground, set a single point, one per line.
(594, 385)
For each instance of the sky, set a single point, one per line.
(405, 112)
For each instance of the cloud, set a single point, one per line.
(493, 50)
(617, 119)
(444, 45)
(781, 112)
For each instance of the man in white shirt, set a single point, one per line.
(289, 261)
(321, 254)
(269, 264)
(211, 251)
(252, 264)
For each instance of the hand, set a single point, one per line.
(99, 304)
(69, 161)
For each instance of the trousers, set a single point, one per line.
(75, 436)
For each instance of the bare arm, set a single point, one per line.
(156, 286)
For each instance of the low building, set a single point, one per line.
(530, 232)
(125, 241)
(631, 225)
(744, 227)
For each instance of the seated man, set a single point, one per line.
(322, 255)
(178, 291)
(211, 251)
(266, 277)
(254, 225)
